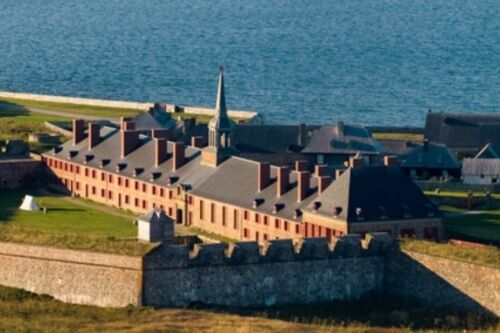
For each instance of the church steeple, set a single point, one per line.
(220, 129)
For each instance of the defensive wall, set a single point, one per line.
(246, 274)
(21, 171)
(248, 115)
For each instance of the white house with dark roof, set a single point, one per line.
(481, 171)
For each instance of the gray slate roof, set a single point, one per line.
(481, 166)
(490, 150)
(154, 118)
(266, 138)
(374, 191)
(235, 182)
(429, 156)
(342, 139)
(142, 157)
(395, 147)
(462, 130)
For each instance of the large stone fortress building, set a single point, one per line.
(214, 189)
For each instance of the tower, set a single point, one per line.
(220, 130)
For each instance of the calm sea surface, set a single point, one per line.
(365, 61)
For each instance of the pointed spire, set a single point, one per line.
(220, 104)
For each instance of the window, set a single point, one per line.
(170, 211)
(320, 159)
(78, 186)
(119, 181)
(257, 218)
(245, 233)
(126, 183)
(265, 220)
(235, 219)
(136, 186)
(103, 175)
(103, 193)
(265, 237)
(144, 204)
(202, 207)
(162, 192)
(224, 215)
(285, 224)
(144, 188)
(153, 190)
(93, 174)
(190, 200)
(297, 229)
(110, 195)
(277, 223)
(170, 194)
(86, 172)
(257, 236)
(110, 179)
(136, 202)
(212, 212)
(245, 215)
(71, 168)
(126, 199)
(77, 169)
(93, 190)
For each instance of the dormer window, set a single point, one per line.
(297, 213)
(360, 214)
(103, 163)
(277, 207)
(57, 150)
(155, 175)
(316, 205)
(72, 154)
(171, 180)
(257, 202)
(137, 171)
(88, 158)
(120, 166)
(337, 210)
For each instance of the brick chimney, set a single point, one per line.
(300, 166)
(124, 120)
(356, 162)
(178, 155)
(94, 134)
(129, 139)
(303, 180)
(160, 133)
(321, 170)
(283, 179)
(161, 154)
(197, 141)
(263, 175)
(391, 161)
(78, 131)
(323, 183)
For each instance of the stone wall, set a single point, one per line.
(249, 275)
(444, 282)
(72, 276)
(22, 172)
(125, 104)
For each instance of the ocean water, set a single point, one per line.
(377, 62)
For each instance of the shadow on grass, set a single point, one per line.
(373, 309)
(8, 109)
(10, 200)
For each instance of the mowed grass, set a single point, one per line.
(16, 125)
(483, 227)
(73, 108)
(67, 224)
(21, 311)
(398, 136)
(483, 255)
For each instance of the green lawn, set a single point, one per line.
(73, 108)
(460, 194)
(483, 227)
(18, 124)
(67, 224)
(398, 136)
(487, 255)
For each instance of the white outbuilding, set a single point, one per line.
(29, 204)
(156, 226)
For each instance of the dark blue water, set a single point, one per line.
(365, 61)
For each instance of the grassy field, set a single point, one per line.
(21, 311)
(67, 224)
(398, 136)
(18, 124)
(72, 108)
(483, 227)
(487, 255)
(461, 194)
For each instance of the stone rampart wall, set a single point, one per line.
(249, 275)
(22, 172)
(72, 276)
(444, 282)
